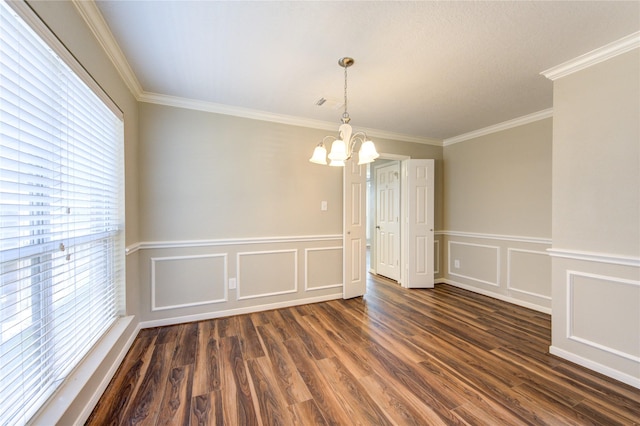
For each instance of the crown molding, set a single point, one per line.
(175, 101)
(91, 14)
(95, 21)
(625, 44)
(526, 119)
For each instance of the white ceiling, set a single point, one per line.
(426, 69)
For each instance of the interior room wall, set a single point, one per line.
(224, 199)
(93, 374)
(596, 217)
(497, 221)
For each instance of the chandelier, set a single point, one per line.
(343, 146)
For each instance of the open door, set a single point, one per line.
(387, 220)
(418, 187)
(354, 229)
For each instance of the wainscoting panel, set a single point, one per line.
(192, 280)
(529, 273)
(475, 262)
(318, 275)
(596, 312)
(207, 281)
(267, 273)
(436, 257)
(603, 313)
(513, 268)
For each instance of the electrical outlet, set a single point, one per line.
(232, 283)
(323, 206)
(456, 264)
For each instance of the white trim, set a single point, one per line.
(238, 311)
(131, 249)
(613, 259)
(276, 293)
(97, 394)
(59, 402)
(618, 47)
(520, 121)
(225, 279)
(498, 296)
(199, 105)
(509, 287)
(148, 245)
(569, 318)
(306, 269)
(95, 21)
(520, 239)
(93, 18)
(497, 249)
(436, 252)
(603, 369)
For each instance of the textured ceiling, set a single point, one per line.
(427, 69)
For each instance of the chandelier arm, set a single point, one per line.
(325, 138)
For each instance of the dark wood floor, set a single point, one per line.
(396, 356)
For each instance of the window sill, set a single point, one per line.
(73, 402)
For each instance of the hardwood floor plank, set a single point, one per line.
(176, 404)
(352, 396)
(340, 346)
(316, 383)
(401, 407)
(306, 413)
(318, 348)
(273, 405)
(472, 414)
(186, 344)
(293, 387)
(143, 409)
(249, 340)
(207, 364)
(412, 379)
(206, 409)
(395, 356)
(238, 406)
(116, 398)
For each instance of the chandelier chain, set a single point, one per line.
(346, 114)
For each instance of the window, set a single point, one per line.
(61, 221)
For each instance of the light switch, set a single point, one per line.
(232, 283)
(323, 206)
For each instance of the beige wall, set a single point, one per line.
(221, 195)
(501, 183)
(63, 19)
(596, 217)
(596, 170)
(497, 215)
(209, 176)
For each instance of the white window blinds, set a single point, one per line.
(61, 251)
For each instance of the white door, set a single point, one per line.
(418, 187)
(354, 232)
(387, 220)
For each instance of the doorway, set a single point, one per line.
(415, 238)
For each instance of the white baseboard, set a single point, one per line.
(236, 311)
(498, 296)
(603, 369)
